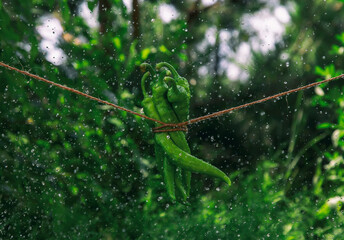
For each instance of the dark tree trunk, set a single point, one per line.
(136, 20)
(217, 58)
(104, 7)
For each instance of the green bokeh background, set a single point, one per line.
(71, 168)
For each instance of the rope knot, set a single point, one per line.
(170, 127)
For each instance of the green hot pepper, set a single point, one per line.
(186, 160)
(171, 174)
(150, 110)
(166, 113)
(178, 96)
(172, 147)
(178, 93)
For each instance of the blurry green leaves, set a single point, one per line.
(328, 71)
(163, 49)
(87, 157)
(337, 138)
(117, 43)
(329, 175)
(325, 125)
(82, 176)
(18, 139)
(65, 10)
(62, 99)
(92, 4)
(144, 53)
(67, 146)
(333, 204)
(338, 49)
(74, 190)
(43, 143)
(81, 64)
(117, 122)
(340, 37)
(318, 178)
(183, 57)
(126, 95)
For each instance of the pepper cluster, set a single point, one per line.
(169, 102)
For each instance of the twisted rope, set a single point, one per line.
(219, 113)
(172, 127)
(79, 93)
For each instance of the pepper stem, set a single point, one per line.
(143, 84)
(171, 81)
(146, 66)
(169, 67)
(162, 75)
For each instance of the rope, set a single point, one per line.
(172, 127)
(79, 93)
(219, 113)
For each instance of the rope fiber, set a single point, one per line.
(171, 127)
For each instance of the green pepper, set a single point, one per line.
(173, 146)
(168, 171)
(167, 114)
(179, 181)
(150, 111)
(171, 180)
(178, 93)
(147, 102)
(180, 80)
(165, 111)
(186, 160)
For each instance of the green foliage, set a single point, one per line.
(73, 169)
(330, 174)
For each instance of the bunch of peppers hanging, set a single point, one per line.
(169, 102)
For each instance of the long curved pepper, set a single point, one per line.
(178, 95)
(186, 160)
(167, 114)
(168, 171)
(143, 84)
(172, 180)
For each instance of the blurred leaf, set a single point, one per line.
(325, 125)
(65, 10)
(92, 4)
(163, 49)
(74, 190)
(117, 122)
(144, 53)
(117, 42)
(340, 37)
(337, 50)
(183, 57)
(337, 135)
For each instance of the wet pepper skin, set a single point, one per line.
(169, 104)
(178, 95)
(173, 175)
